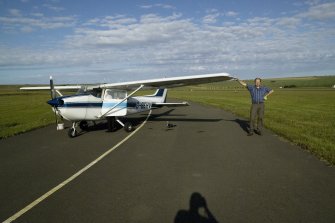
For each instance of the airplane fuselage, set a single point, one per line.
(99, 104)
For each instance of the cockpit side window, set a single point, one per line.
(115, 94)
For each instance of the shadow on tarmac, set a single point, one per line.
(187, 119)
(197, 203)
(243, 124)
(136, 120)
(158, 117)
(103, 125)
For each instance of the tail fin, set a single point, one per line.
(161, 93)
(160, 99)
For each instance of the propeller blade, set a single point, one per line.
(56, 117)
(52, 88)
(53, 96)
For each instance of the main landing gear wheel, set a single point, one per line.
(72, 133)
(83, 125)
(128, 127)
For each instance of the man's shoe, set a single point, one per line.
(250, 133)
(258, 132)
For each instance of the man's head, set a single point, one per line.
(258, 81)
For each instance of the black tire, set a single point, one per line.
(83, 125)
(72, 133)
(128, 127)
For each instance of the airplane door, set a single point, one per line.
(112, 98)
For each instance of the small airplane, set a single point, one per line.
(111, 101)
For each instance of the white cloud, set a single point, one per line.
(37, 14)
(146, 6)
(21, 23)
(211, 18)
(14, 12)
(164, 6)
(312, 2)
(214, 14)
(149, 29)
(27, 29)
(231, 14)
(290, 22)
(53, 7)
(110, 21)
(320, 12)
(170, 45)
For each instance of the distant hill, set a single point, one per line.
(312, 81)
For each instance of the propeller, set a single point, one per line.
(53, 96)
(52, 89)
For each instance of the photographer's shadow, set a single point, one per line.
(193, 215)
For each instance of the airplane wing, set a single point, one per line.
(171, 82)
(68, 87)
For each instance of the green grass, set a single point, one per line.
(23, 111)
(304, 116)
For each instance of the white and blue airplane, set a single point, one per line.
(111, 101)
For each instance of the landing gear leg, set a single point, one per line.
(111, 122)
(72, 131)
(128, 126)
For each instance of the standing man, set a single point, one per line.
(258, 95)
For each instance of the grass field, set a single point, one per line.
(23, 111)
(305, 115)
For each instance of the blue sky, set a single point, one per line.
(91, 41)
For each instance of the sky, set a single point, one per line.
(106, 41)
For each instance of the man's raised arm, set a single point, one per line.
(241, 82)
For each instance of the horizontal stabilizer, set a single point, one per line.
(171, 104)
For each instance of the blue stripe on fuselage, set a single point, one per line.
(82, 104)
(92, 105)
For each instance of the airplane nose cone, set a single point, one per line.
(56, 102)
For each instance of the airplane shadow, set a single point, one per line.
(244, 124)
(187, 119)
(159, 117)
(162, 114)
(197, 202)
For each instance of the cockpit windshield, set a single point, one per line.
(96, 92)
(82, 90)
